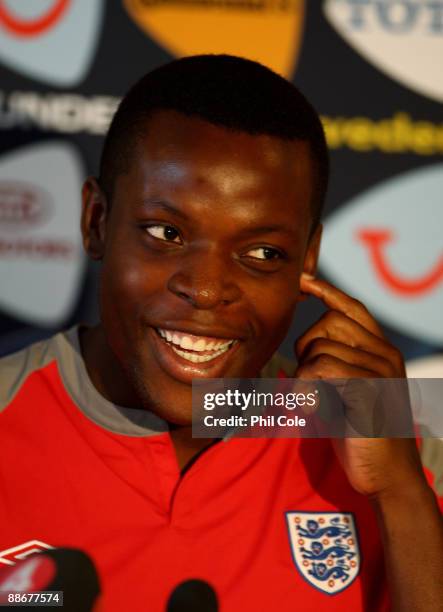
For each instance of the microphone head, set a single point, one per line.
(76, 576)
(196, 595)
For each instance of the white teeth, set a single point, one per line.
(186, 343)
(197, 358)
(224, 346)
(200, 345)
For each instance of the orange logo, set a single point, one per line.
(268, 31)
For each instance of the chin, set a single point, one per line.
(172, 411)
(166, 401)
(178, 420)
(180, 416)
(171, 407)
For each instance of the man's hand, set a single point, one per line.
(348, 343)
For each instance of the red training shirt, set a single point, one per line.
(271, 524)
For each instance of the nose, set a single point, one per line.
(205, 280)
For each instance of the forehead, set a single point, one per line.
(183, 156)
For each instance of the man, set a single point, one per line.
(205, 219)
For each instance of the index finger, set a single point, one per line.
(339, 300)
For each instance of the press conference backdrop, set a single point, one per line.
(372, 68)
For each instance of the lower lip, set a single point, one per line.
(184, 370)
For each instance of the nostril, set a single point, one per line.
(201, 291)
(184, 295)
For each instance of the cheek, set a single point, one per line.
(273, 312)
(126, 289)
(129, 278)
(282, 318)
(276, 309)
(126, 292)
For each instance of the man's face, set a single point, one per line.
(202, 252)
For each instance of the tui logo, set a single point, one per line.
(53, 41)
(401, 38)
(385, 247)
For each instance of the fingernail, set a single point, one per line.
(307, 276)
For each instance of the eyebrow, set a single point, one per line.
(269, 229)
(165, 206)
(253, 231)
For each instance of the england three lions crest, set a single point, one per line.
(325, 548)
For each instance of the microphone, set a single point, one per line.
(60, 569)
(196, 595)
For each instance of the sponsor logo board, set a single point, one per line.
(385, 248)
(53, 41)
(269, 32)
(41, 256)
(402, 38)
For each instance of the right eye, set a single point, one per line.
(167, 233)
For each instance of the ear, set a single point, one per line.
(94, 215)
(313, 251)
(311, 257)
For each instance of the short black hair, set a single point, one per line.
(225, 90)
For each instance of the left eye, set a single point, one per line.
(264, 253)
(164, 232)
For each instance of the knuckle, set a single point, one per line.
(305, 372)
(360, 306)
(332, 318)
(387, 368)
(323, 362)
(318, 346)
(396, 357)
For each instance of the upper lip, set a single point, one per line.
(197, 330)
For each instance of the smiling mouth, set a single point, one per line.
(195, 349)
